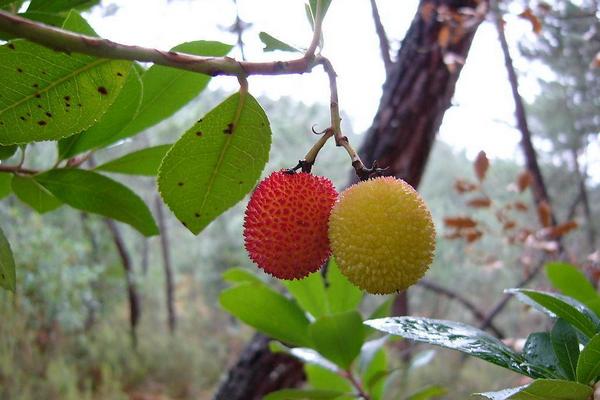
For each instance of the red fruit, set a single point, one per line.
(285, 226)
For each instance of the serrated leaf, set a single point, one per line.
(95, 193)
(566, 347)
(267, 311)
(7, 152)
(36, 196)
(342, 295)
(309, 292)
(588, 366)
(540, 356)
(8, 275)
(212, 166)
(547, 389)
(573, 283)
(455, 336)
(142, 162)
(430, 392)
(307, 394)
(338, 337)
(555, 305)
(272, 43)
(107, 129)
(5, 181)
(166, 89)
(48, 95)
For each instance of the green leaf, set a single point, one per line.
(322, 378)
(210, 169)
(36, 196)
(306, 355)
(540, 356)
(272, 43)
(5, 182)
(291, 394)
(48, 95)
(573, 283)
(310, 294)
(368, 350)
(95, 193)
(108, 128)
(430, 392)
(7, 152)
(455, 336)
(342, 295)
(338, 337)
(267, 311)
(547, 389)
(555, 305)
(55, 5)
(166, 89)
(8, 275)
(324, 5)
(566, 347)
(141, 162)
(240, 275)
(375, 373)
(588, 366)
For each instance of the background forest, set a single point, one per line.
(66, 333)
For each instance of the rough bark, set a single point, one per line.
(416, 95)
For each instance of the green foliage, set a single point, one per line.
(338, 337)
(49, 94)
(142, 162)
(566, 347)
(573, 283)
(539, 354)
(290, 394)
(341, 294)
(272, 43)
(216, 162)
(95, 193)
(428, 393)
(35, 195)
(588, 366)
(7, 265)
(7, 151)
(5, 183)
(548, 389)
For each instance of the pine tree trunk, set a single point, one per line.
(416, 94)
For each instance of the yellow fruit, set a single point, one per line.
(382, 235)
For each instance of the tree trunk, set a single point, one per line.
(166, 254)
(416, 95)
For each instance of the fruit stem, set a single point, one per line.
(311, 156)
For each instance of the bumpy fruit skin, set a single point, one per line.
(285, 226)
(382, 235)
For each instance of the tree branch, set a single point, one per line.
(17, 169)
(384, 44)
(166, 255)
(477, 313)
(62, 40)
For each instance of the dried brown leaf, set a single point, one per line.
(509, 225)
(520, 206)
(536, 24)
(480, 202)
(524, 180)
(460, 222)
(544, 214)
(462, 186)
(472, 235)
(596, 61)
(563, 229)
(481, 165)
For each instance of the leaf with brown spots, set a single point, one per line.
(481, 165)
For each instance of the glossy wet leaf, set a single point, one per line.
(142, 162)
(555, 305)
(108, 128)
(32, 193)
(212, 167)
(166, 89)
(306, 394)
(338, 337)
(573, 283)
(95, 193)
(588, 366)
(455, 336)
(267, 311)
(342, 295)
(272, 43)
(5, 181)
(7, 265)
(309, 292)
(7, 152)
(539, 353)
(547, 389)
(430, 392)
(566, 347)
(48, 95)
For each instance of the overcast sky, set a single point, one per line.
(482, 115)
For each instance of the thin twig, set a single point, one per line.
(384, 44)
(356, 384)
(18, 169)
